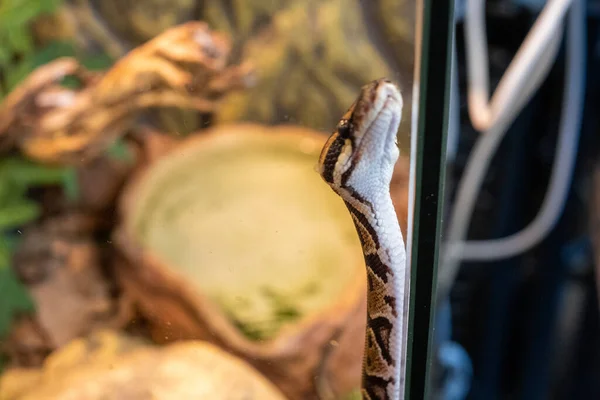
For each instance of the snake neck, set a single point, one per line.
(385, 259)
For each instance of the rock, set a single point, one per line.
(107, 365)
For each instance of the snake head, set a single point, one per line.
(363, 149)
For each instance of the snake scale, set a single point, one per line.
(357, 162)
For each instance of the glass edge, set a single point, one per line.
(429, 38)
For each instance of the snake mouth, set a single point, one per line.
(391, 138)
(379, 109)
(365, 135)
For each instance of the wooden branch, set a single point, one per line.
(186, 67)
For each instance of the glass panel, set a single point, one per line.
(432, 82)
(518, 266)
(166, 204)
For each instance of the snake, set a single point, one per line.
(357, 162)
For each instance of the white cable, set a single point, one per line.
(484, 150)
(564, 163)
(501, 107)
(479, 161)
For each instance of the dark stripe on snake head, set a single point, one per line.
(331, 156)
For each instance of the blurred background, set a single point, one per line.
(165, 234)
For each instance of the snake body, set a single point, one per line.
(357, 162)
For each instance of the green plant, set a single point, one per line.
(18, 54)
(18, 58)
(16, 43)
(17, 176)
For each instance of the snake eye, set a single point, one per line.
(343, 128)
